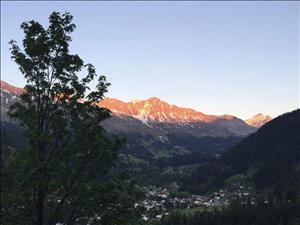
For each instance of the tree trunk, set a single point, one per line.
(40, 208)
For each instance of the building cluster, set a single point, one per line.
(159, 202)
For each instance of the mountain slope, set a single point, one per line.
(165, 118)
(154, 117)
(9, 95)
(6, 87)
(272, 154)
(258, 120)
(274, 149)
(156, 123)
(154, 109)
(159, 135)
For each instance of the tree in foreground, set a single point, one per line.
(63, 174)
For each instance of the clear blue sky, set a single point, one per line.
(237, 58)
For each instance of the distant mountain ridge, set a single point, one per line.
(9, 95)
(157, 133)
(152, 109)
(6, 87)
(258, 120)
(155, 109)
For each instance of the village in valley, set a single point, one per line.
(159, 202)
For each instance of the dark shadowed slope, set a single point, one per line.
(274, 149)
(272, 154)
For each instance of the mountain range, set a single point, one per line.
(154, 128)
(154, 110)
(163, 137)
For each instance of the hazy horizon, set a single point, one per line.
(238, 58)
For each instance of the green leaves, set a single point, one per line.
(62, 173)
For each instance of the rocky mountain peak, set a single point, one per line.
(258, 120)
(6, 87)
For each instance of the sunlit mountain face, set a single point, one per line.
(9, 95)
(154, 116)
(154, 109)
(6, 87)
(258, 120)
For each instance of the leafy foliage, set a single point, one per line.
(62, 175)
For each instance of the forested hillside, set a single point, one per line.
(271, 157)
